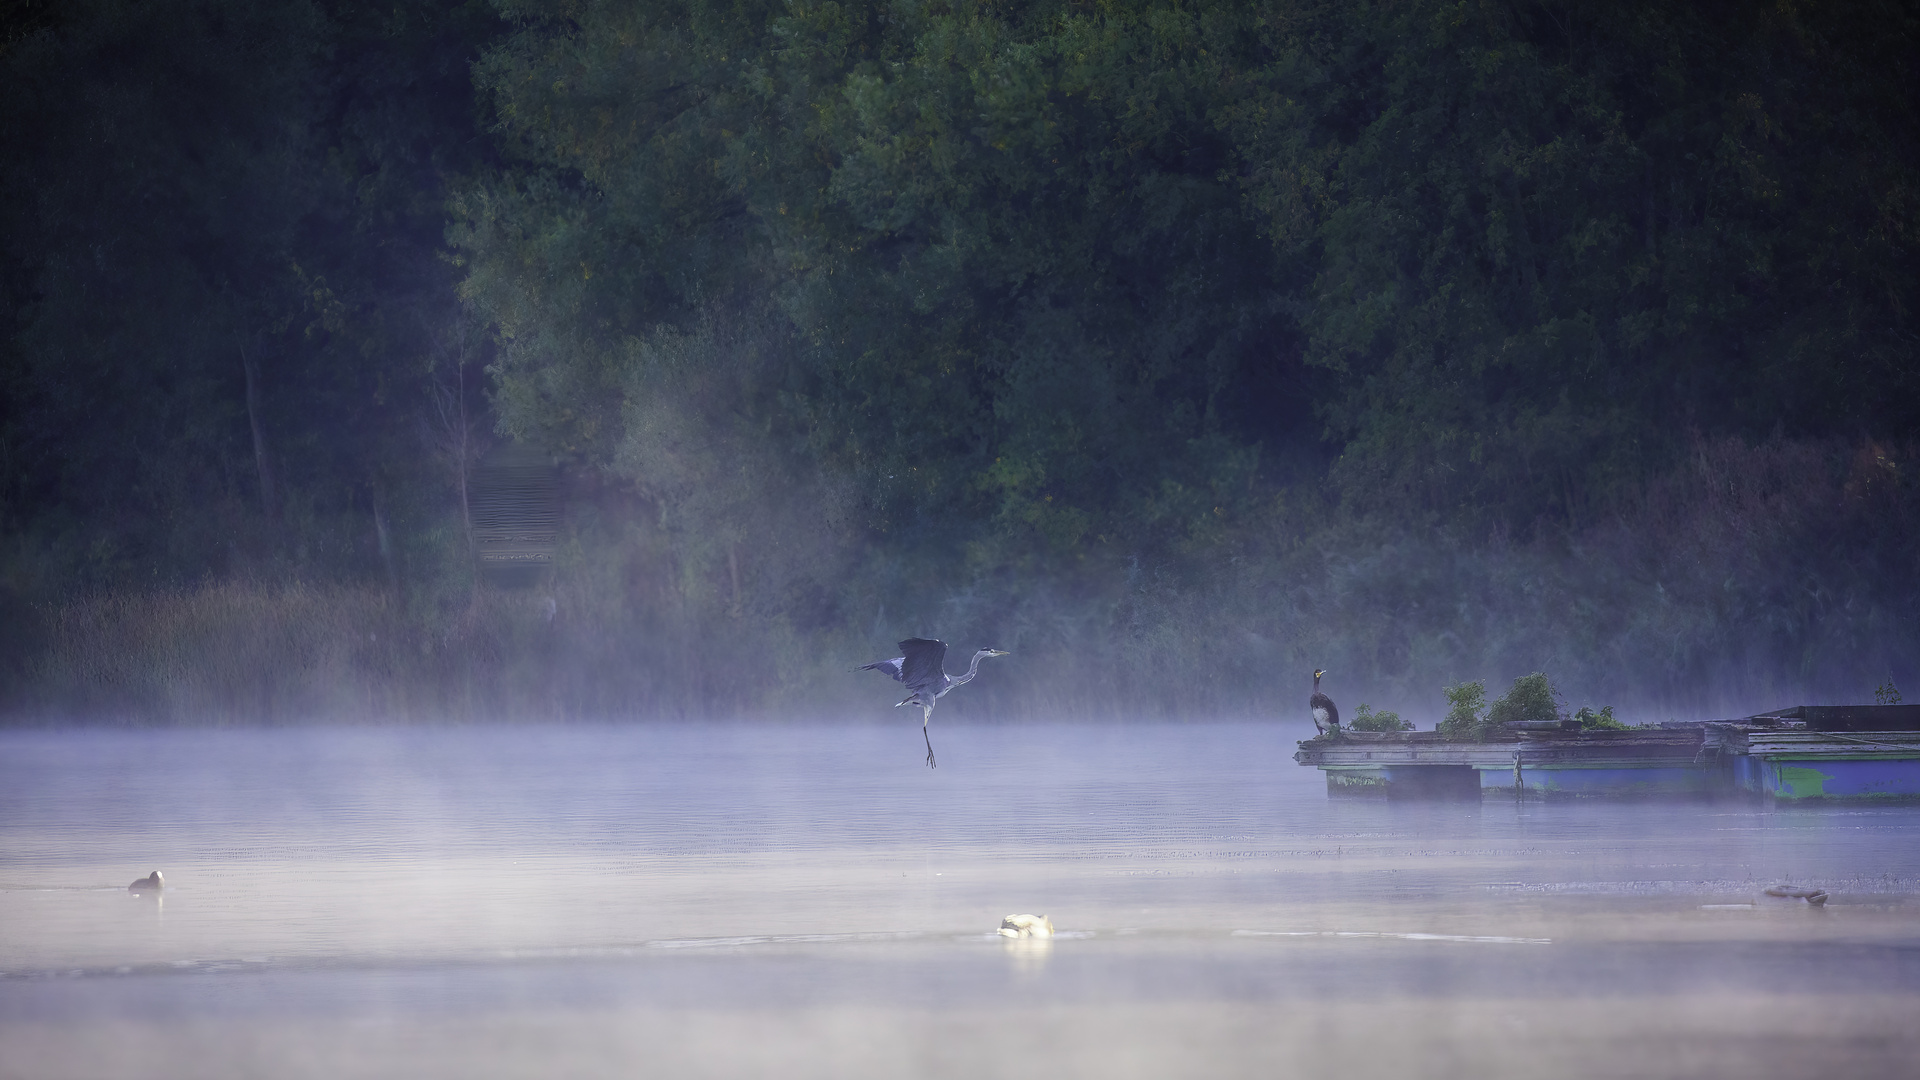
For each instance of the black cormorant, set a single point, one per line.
(1326, 715)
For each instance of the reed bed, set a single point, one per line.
(1749, 578)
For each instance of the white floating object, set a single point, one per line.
(1026, 926)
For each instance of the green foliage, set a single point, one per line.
(1518, 232)
(1171, 343)
(1530, 698)
(968, 232)
(160, 164)
(224, 301)
(1886, 693)
(1367, 720)
(1078, 277)
(1630, 609)
(1466, 712)
(750, 530)
(1599, 721)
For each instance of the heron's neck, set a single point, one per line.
(972, 670)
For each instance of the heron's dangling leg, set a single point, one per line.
(926, 714)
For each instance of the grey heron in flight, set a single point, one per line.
(921, 665)
(1326, 715)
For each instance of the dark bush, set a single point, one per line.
(1466, 717)
(1368, 720)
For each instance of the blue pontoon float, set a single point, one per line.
(1807, 752)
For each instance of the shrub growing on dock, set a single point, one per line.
(1466, 716)
(1368, 720)
(1599, 721)
(1469, 719)
(1530, 698)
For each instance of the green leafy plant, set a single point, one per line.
(1599, 721)
(1886, 693)
(1368, 720)
(1529, 699)
(1466, 715)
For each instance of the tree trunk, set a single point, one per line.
(463, 452)
(269, 492)
(456, 442)
(733, 566)
(385, 540)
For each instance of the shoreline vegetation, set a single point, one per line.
(1179, 347)
(1751, 577)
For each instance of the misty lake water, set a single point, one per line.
(809, 900)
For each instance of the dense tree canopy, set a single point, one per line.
(224, 284)
(1075, 265)
(1069, 298)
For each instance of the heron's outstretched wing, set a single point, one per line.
(923, 663)
(890, 667)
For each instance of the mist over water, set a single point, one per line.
(516, 900)
(397, 395)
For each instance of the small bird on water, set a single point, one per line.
(921, 665)
(151, 883)
(1326, 715)
(1026, 926)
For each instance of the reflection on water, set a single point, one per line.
(584, 879)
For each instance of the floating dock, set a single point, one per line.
(1806, 752)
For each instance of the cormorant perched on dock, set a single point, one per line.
(1326, 715)
(922, 667)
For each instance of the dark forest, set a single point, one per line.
(1179, 348)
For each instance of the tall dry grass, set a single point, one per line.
(227, 652)
(1746, 578)
(252, 652)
